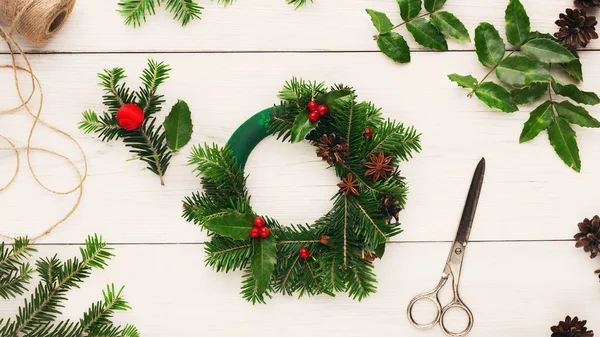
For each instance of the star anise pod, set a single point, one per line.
(571, 328)
(333, 149)
(587, 3)
(379, 166)
(589, 236)
(389, 208)
(349, 185)
(576, 28)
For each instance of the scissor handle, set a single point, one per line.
(456, 303)
(432, 296)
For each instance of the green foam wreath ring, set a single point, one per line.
(335, 253)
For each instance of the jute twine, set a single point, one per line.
(36, 20)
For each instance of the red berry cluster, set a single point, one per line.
(259, 230)
(368, 133)
(304, 253)
(316, 111)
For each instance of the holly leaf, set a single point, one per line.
(539, 35)
(302, 127)
(178, 126)
(530, 93)
(517, 23)
(539, 120)
(394, 46)
(381, 21)
(426, 34)
(409, 8)
(573, 68)
(232, 224)
(495, 96)
(519, 71)
(468, 81)
(380, 250)
(336, 99)
(574, 93)
(263, 262)
(450, 26)
(576, 114)
(564, 141)
(434, 5)
(488, 45)
(547, 51)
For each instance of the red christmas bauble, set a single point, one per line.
(254, 232)
(259, 222)
(368, 133)
(312, 106)
(264, 232)
(304, 253)
(313, 116)
(322, 110)
(130, 117)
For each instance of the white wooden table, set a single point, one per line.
(522, 273)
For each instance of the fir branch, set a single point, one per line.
(184, 10)
(225, 254)
(116, 94)
(135, 11)
(394, 139)
(100, 314)
(362, 280)
(15, 283)
(282, 121)
(219, 166)
(105, 126)
(250, 289)
(298, 3)
(152, 77)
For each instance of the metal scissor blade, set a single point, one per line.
(466, 220)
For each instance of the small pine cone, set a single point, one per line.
(571, 328)
(333, 149)
(576, 28)
(589, 236)
(587, 3)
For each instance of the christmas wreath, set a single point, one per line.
(334, 254)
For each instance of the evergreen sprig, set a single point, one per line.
(526, 75)
(343, 242)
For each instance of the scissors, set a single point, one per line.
(454, 264)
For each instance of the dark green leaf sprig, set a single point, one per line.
(343, 242)
(38, 315)
(525, 74)
(150, 143)
(430, 33)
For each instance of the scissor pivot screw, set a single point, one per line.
(458, 251)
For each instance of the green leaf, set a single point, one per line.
(263, 262)
(564, 141)
(409, 8)
(464, 81)
(233, 225)
(539, 35)
(426, 34)
(517, 23)
(434, 5)
(380, 250)
(573, 68)
(495, 96)
(547, 51)
(488, 45)
(394, 46)
(530, 93)
(576, 114)
(380, 20)
(574, 93)
(450, 26)
(336, 100)
(302, 127)
(178, 126)
(519, 71)
(539, 120)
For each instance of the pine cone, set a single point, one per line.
(589, 236)
(571, 328)
(576, 28)
(389, 208)
(333, 149)
(587, 3)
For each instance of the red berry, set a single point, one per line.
(254, 232)
(313, 116)
(304, 253)
(264, 232)
(259, 222)
(312, 106)
(130, 117)
(322, 110)
(368, 133)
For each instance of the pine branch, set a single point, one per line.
(116, 94)
(148, 144)
(394, 139)
(105, 126)
(135, 11)
(298, 3)
(184, 10)
(250, 289)
(14, 273)
(225, 254)
(282, 121)
(299, 92)
(15, 283)
(152, 77)
(100, 314)
(220, 171)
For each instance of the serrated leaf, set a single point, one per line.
(264, 257)
(530, 93)
(178, 126)
(409, 8)
(302, 127)
(489, 45)
(564, 141)
(574, 93)
(232, 225)
(426, 34)
(519, 71)
(576, 114)
(547, 51)
(539, 35)
(517, 23)
(450, 26)
(394, 46)
(381, 21)
(434, 5)
(464, 81)
(496, 97)
(539, 120)
(574, 69)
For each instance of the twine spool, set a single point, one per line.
(36, 20)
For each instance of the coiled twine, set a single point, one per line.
(36, 20)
